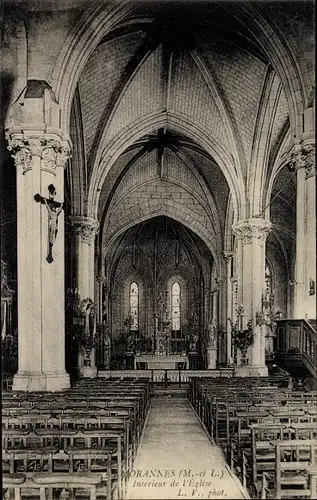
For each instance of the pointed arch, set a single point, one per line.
(134, 306)
(114, 148)
(176, 306)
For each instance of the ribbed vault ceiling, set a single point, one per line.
(194, 61)
(154, 241)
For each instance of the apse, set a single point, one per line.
(159, 270)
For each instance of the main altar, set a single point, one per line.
(163, 355)
(168, 362)
(168, 345)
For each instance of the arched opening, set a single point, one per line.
(158, 306)
(134, 307)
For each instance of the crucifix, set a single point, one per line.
(54, 208)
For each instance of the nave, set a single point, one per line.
(176, 457)
(130, 439)
(158, 209)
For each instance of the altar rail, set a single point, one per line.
(166, 376)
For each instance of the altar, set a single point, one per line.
(161, 362)
(163, 356)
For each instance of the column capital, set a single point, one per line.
(53, 151)
(252, 229)
(85, 227)
(101, 278)
(219, 279)
(303, 156)
(228, 254)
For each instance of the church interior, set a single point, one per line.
(158, 253)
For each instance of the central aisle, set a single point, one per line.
(177, 460)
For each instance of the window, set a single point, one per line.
(134, 306)
(176, 307)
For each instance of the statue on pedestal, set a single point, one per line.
(193, 339)
(89, 310)
(212, 333)
(193, 327)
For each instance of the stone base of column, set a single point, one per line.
(88, 372)
(46, 382)
(250, 371)
(211, 358)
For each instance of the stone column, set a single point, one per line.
(40, 159)
(101, 280)
(302, 159)
(86, 229)
(100, 294)
(229, 257)
(221, 323)
(251, 235)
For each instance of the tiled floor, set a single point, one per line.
(176, 459)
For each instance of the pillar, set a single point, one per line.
(251, 235)
(40, 159)
(302, 159)
(86, 229)
(221, 324)
(101, 279)
(229, 257)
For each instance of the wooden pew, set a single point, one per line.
(14, 485)
(238, 414)
(77, 427)
(302, 465)
(64, 451)
(263, 438)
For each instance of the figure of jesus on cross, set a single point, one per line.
(54, 208)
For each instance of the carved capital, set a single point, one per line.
(308, 153)
(101, 278)
(253, 229)
(85, 227)
(21, 152)
(53, 152)
(295, 160)
(220, 279)
(228, 254)
(63, 154)
(303, 156)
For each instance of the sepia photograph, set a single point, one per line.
(158, 250)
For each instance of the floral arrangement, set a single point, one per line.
(243, 339)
